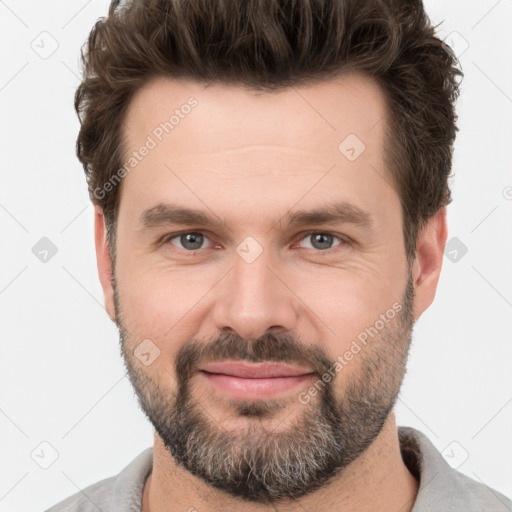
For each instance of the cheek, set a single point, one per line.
(356, 321)
(343, 303)
(161, 303)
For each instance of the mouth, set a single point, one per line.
(254, 381)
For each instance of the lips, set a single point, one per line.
(254, 370)
(254, 381)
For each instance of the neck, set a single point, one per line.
(377, 481)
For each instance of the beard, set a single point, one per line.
(253, 462)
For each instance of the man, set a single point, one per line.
(270, 184)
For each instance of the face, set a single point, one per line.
(256, 231)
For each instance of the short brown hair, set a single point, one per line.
(269, 45)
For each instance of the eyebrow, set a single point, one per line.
(341, 213)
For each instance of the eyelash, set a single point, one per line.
(344, 240)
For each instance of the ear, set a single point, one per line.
(104, 262)
(429, 259)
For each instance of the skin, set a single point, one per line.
(235, 154)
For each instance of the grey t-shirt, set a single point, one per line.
(441, 487)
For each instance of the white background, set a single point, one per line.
(62, 380)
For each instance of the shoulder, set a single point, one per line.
(91, 499)
(440, 486)
(120, 492)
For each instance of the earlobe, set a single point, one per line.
(428, 262)
(104, 261)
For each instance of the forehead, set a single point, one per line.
(233, 116)
(228, 142)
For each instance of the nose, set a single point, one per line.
(254, 298)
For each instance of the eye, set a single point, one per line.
(190, 241)
(322, 241)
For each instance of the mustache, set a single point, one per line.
(275, 348)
